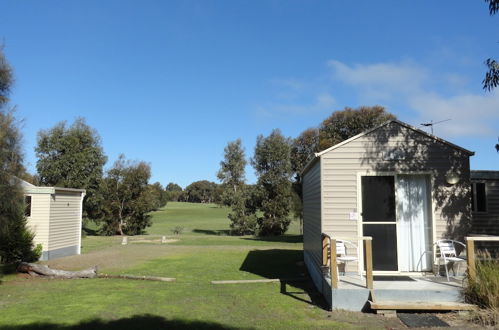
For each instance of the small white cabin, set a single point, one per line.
(55, 216)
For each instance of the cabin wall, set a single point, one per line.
(65, 223)
(394, 148)
(487, 223)
(38, 221)
(312, 229)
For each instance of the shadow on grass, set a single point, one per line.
(223, 232)
(90, 232)
(141, 322)
(281, 238)
(289, 268)
(7, 270)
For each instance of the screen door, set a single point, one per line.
(379, 220)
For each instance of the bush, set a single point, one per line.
(17, 244)
(242, 224)
(177, 230)
(483, 290)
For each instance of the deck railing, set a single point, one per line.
(470, 251)
(329, 258)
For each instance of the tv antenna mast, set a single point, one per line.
(431, 123)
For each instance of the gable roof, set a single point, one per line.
(452, 145)
(436, 138)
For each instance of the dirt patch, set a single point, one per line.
(115, 258)
(154, 241)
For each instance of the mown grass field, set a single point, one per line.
(202, 253)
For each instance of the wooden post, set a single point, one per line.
(369, 264)
(333, 265)
(470, 256)
(325, 256)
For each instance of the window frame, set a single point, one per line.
(474, 196)
(26, 204)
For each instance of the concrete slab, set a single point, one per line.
(352, 294)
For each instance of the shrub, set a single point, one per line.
(177, 230)
(17, 244)
(483, 290)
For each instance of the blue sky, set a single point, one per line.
(171, 82)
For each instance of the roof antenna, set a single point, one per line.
(431, 123)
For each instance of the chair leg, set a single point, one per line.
(446, 271)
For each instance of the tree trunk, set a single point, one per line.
(29, 268)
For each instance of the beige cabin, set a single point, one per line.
(397, 184)
(55, 216)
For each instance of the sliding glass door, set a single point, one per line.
(396, 213)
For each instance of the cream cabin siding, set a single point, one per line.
(65, 225)
(37, 222)
(55, 219)
(312, 244)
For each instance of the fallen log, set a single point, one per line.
(25, 267)
(135, 277)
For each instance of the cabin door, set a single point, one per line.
(379, 220)
(396, 213)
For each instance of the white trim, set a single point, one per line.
(80, 222)
(321, 180)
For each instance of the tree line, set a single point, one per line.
(121, 198)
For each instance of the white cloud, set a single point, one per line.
(382, 80)
(321, 102)
(417, 88)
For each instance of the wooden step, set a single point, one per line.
(421, 305)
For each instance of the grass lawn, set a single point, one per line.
(202, 253)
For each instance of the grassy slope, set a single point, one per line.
(200, 255)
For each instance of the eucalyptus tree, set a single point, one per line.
(232, 172)
(126, 198)
(72, 157)
(272, 165)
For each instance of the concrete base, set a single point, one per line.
(350, 299)
(320, 282)
(59, 253)
(353, 295)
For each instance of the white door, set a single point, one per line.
(414, 223)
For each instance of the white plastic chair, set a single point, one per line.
(341, 254)
(447, 250)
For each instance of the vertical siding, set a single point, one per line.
(65, 214)
(394, 148)
(38, 221)
(312, 230)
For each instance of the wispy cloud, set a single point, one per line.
(415, 92)
(319, 102)
(415, 87)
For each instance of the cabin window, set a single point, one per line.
(27, 205)
(478, 197)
